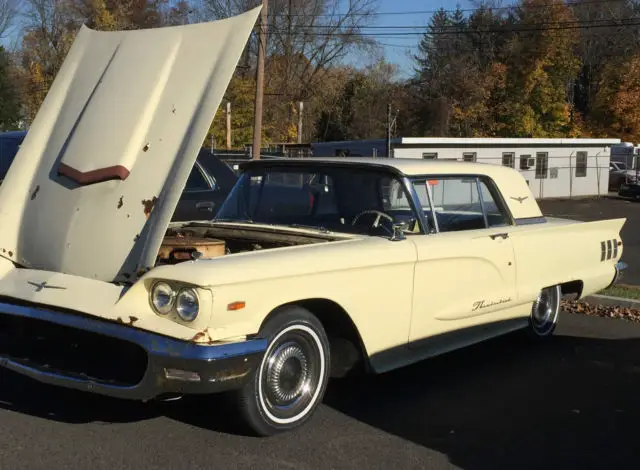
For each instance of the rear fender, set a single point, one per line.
(556, 254)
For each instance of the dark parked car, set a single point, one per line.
(9, 145)
(208, 185)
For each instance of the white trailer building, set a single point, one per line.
(554, 168)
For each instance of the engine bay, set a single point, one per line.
(195, 241)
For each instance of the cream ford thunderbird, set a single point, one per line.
(312, 268)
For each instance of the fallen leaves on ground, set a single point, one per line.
(607, 311)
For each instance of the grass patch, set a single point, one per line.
(621, 290)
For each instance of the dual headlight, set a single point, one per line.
(184, 301)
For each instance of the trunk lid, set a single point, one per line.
(95, 182)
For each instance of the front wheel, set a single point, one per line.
(291, 379)
(544, 312)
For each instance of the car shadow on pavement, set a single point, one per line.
(572, 402)
(26, 396)
(29, 397)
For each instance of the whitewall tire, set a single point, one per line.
(544, 312)
(289, 383)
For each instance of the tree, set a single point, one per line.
(9, 97)
(542, 66)
(616, 104)
(306, 39)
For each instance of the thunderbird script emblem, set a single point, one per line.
(519, 199)
(44, 285)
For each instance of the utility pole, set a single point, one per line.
(300, 109)
(389, 130)
(228, 125)
(262, 49)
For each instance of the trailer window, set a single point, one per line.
(542, 165)
(509, 159)
(581, 164)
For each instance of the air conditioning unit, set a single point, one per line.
(531, 162)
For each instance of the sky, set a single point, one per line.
(410, 15)
(404, 13)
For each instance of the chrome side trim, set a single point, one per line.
(531, 220)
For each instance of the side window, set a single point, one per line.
(509, 159)
(460, 203)
(196, 181)
(456, 203)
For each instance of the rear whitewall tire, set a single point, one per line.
(289, 384)
(544, 313)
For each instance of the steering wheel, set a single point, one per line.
(376, 223)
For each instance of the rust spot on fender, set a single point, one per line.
(202, 334)
(120, 202)
(35, 192)
(132, 320)
(11, 253)
(148, 205)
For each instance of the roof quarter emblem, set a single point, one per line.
(43, 285)
(520, 199)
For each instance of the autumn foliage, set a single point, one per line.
(538, 68)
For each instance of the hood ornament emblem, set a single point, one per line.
(44, 285)
(519, 199)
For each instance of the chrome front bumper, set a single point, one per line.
(170, 367)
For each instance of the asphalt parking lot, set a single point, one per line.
(572, 403)
(610, 207)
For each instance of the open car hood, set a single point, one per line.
(97, 179)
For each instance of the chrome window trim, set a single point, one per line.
(416, 205)
(484, 209)
(207, 178)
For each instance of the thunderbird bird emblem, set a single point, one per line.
(519, 199)
(44, 285)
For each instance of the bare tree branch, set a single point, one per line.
(8, 13)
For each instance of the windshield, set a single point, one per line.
(336, 199)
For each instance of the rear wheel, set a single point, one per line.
(544, 312)
(290, 382)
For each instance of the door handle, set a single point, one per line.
(499, 235)
(205, 206)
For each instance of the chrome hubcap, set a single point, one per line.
(545, 310)
(291, 374)
(287, 374)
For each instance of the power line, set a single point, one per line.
(465, 30)
(454, 27)
(463, 10)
